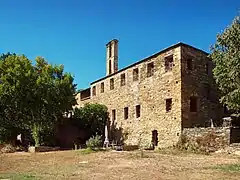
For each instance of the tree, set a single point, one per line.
(3, 56)
(92, 116)
(53, 95)
(226, 56)
(33, 98)
(16, 74)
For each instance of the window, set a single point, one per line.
(168, 63)
(135, 74)
(189, 64)
(126, 113)
(208, 92)
(193, 104)
(113, 114)
(111, 84)
(110, 50)
(102, 87)
(168, 105)
(110, 66)
(85, 94)
(207, 68)
(150, 69)
(138, 111)
(123, 80)
(225, 109)
(94, 91)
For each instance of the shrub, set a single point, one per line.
(94, 142)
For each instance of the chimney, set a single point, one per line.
(112, 57)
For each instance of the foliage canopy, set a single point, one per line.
(226, 56)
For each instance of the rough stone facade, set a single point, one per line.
(222, 135)
(198, 82)
(159, 94)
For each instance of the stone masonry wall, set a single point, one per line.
(221, 136)
(151, 94)
(198, 82)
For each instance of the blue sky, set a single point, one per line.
(74, 32)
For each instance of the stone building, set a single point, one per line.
(152, 100)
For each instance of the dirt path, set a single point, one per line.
(115, 165)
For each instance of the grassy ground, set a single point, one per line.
(117, 165)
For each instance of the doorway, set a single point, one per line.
(154, 138)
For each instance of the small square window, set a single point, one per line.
(225, 109)
(168, 105)
(208, 93)
(110, 66)
(123, 80)
(111, 84)
(207, 68)
(193, 104)
(94, 91)
(150, 69)
(126, 113)
(110, 50)
(102, 87)
(138, 111)
(113, 114)
(189, 64)
(168, 63)
(135, 74)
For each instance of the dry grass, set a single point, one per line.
(116, 165)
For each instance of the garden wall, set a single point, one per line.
(210, 138)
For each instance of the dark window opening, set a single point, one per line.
(189, 64)
(102, 87)
(111, 84)
(193, 104)
(207, 69)
(225, 109)
(110, 50)
(135, 74)
(154, 138)
(150, 69)
(208, 93)
(168, 105)
(85, 94)
(110, 66)
(126, 113)
(123, 80)
(138, 111)
(94, 91)
(168, 63)
(113, 114)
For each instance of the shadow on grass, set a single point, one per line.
(17, 176)
(89, 151)
(176, 151)
(228, 167)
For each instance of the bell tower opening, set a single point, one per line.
(112, 57)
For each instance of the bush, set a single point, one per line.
(94, 142)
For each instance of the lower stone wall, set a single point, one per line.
(215, 138)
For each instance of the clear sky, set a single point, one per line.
(75, 32)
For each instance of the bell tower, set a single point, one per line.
(112, 57)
